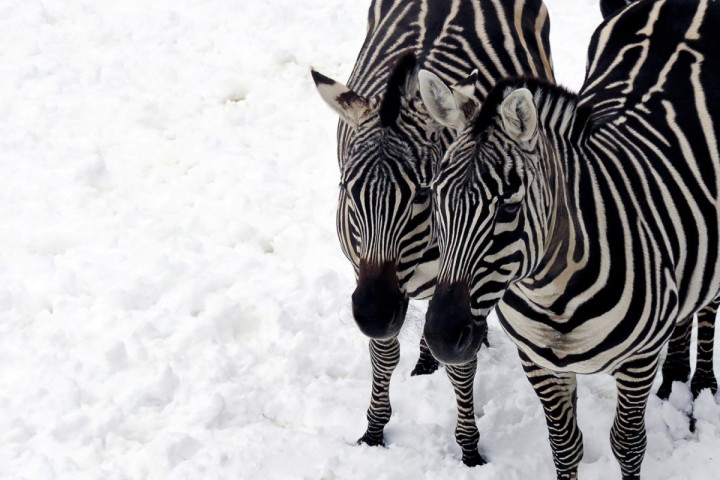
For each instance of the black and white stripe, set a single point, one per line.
(676, 367)
(388, 149)
(591, 221)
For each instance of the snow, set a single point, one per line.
(173, 300)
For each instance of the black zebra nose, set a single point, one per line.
(378, 305)
(451, 332)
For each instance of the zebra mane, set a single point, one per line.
(551, 95)
(391, 103)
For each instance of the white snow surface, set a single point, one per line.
(173, 299)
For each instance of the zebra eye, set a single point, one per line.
(422, 195)
(510, 208)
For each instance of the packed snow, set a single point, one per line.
(173, 299)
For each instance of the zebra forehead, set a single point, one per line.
(479, 159)
(475, 185)
(376, 179)
(384, 150)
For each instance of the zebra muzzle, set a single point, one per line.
(453, 335)
(378, 305)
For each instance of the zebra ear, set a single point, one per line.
(351, 107)
(519, 115)
(451, 108)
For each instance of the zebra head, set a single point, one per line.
(384, 210)
(490, 215)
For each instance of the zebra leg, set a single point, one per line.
(466, 432)
(384, 355)
(426, 364)
(628, 438)
(558, 394)
(676, 367)
(704, 376)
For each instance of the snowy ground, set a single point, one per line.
(173, 301)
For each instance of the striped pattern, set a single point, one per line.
(388, 157)
(383, 209)
(595, 229)
(385, 356)
(466, 432)
(676, 367)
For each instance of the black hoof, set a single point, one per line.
(372, 440)
(567, 476)
(665, 389)
(425, 366)
(473, 459)
(701, 382)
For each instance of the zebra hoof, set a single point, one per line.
(372, 440)
(573, 475)
(665, 389)
(425, 366)
(701, 382)
(473, 459)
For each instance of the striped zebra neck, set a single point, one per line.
(612, 278)
(573, 295)
(564, 127)
(566, 249)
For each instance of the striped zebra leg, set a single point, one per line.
(704, 376)
(676, 367)
(558, 394)
(628, 437)
(426, 364)
(466, 432)
(384, 355)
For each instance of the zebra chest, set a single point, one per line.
(549, 347)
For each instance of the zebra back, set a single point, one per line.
(499, 38)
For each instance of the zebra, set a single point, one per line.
(676, 367)
(591, 222)
(677, 362)
(388, 148)
(610, 7)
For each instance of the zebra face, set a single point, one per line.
(389, 148)
(485, 193)
(385, 200)
(384, 188)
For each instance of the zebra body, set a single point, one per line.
(591, 221)
(388, 149)
(676, 367)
